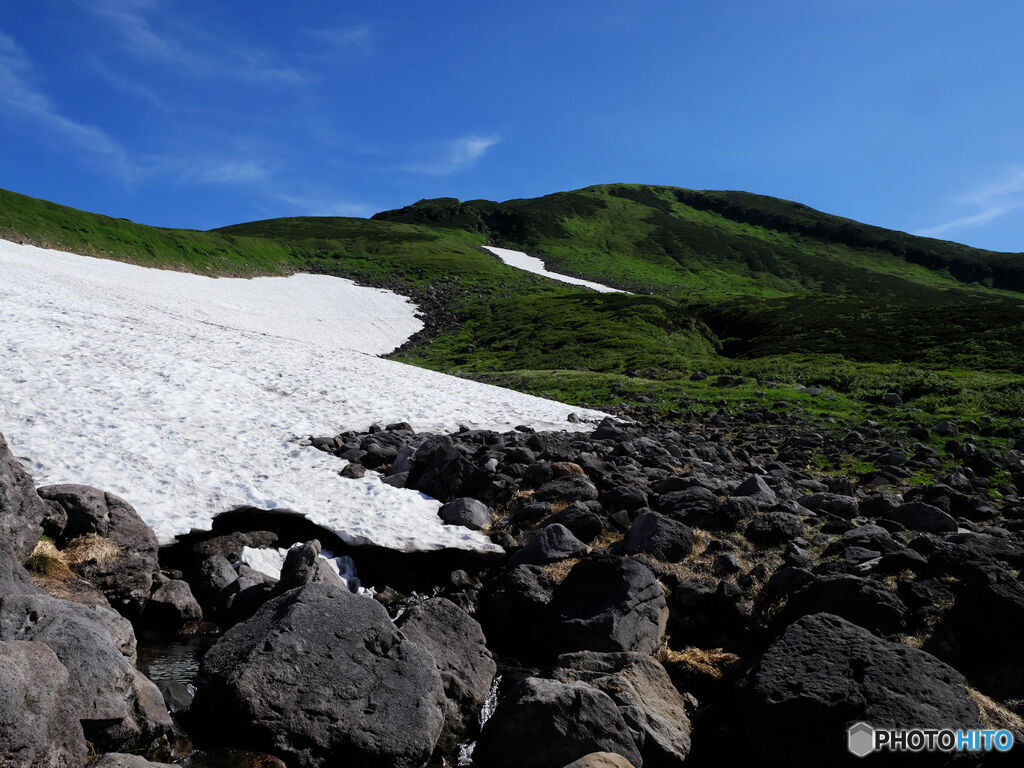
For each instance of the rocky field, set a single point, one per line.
(673, 593)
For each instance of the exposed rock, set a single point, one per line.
(21, 510)
(39, 728)
(756, 488)
(320, 674)
(543, 723)
(468, 512)
(303, 565)
(601, 760)
(824, 674)
(171, 605)
(121, 760)
(609, 603)
(862, 601)
(459, 648)
(640, 687)
(554, 542)
(125, 573)
(515, 610)
(569, 488)
(660, 537)
(774, 527)
(119, 708)
(919, 516)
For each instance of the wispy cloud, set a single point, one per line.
(346, 38)
(991, 201)
(457, 155)
(203, 171)
(315, 206)
(19, 93)
(131, 20)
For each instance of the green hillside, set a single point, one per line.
(726, 283)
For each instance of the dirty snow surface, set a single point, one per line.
(185, 394)
(520, 260)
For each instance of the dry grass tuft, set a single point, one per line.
(48, 562)
(567, 468)
(995, 716)
(701, 662)
(559, 569)
(90, 549)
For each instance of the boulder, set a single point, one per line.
(601, 760)
(21, 510)
(440, 471)
(515, 610)
(171, 605)
(214, 574)
(824, 674)
(692, 505)
(543, 723)
(660, 537)
(38, 724)
(459, 648)
(774, 527)
(468, 512)
(119, 708)
(568, 488)
(303, 565)
(832, 503)
(554, 542)
(756, 488)
(320, 676)
(609, 603)
(919, 516)
(650, 705)
(123, 563)
(121, 760)
(864, 602)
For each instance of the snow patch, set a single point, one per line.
(520, 260)
(270, 561)
(189, 396)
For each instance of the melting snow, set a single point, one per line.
(184, 394)
(520, 260)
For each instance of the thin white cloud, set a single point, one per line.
(130, 19)
(313, 206)
(346, 38)
(457, 156)
(20, 94)
(994, 200)
(224, 172)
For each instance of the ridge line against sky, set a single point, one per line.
(178, 113)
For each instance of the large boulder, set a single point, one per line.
(120, 709)
(601, 760)
(121, 760)
(609, 603)
(468, 512)
(515, 609)
(650, 705)
(543, 723)
(319, 675)
(303, 565)
(865, 602)
(919, 516)
(21, 510)
(459, 648)
(554, 542)
(38, 725)
(171, 605)
(439, 470)
(123, 558)
(824, 674)
(660, 537)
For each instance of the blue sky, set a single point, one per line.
(903, 113)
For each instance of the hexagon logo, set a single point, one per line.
(860, 739)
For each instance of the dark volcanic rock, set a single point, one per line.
(660, 537)
(515, 610)
(171, 605)
(650, 705)
(824, 674)
(862, 601)
(609, 603)
(38, 725)
(468, 512)
(458, 646)
(569, 488)
(303, 565)
(554, 542)
(121, 760)
(125, 578)
(21, 510)
(119, 708)
(774, 527)
(544, 723)
(440, 471)
(322, 675)
(919, 516)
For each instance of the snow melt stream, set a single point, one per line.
(184, 394)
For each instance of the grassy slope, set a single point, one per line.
(734, 283)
